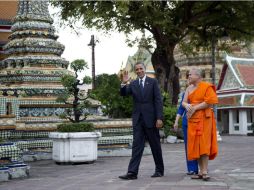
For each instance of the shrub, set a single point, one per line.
(73, 96)
(107, 92)
(169, 120)
(75, 127)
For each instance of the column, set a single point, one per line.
(207, 73)
(243, 122)
(231, 122)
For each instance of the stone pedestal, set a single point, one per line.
(75, 147)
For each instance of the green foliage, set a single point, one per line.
(75, 100)
(170, 23)
(169, 112)
(87, 80)
(107, 91)
(69, 82)
(78, 65)
(75, 127)
(172, 19)
(166, 98)
(169, 120)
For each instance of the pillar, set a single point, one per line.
(243, 122)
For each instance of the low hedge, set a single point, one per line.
(75, 127)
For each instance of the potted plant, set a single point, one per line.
(252, 128)
(169, 112)
(75, 141)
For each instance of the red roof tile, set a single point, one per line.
(246, 72)
(227, 101)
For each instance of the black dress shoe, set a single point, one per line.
(157, 174)
(128, 176)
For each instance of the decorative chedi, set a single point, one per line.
(30, 75)
(29, 84)
(8, 10)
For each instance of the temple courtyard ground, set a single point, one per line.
(233, 169)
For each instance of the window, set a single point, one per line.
(8, 108)
(203, 74)
(219, 115)
(249, 116)
(211, 74)
(236, 116)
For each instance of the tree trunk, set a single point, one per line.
(166, 71)
(76, 104)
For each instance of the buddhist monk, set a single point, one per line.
(202, 137)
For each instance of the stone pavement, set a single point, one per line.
(233, 169)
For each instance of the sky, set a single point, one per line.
(111, 51)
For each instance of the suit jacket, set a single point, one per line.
(149, 106)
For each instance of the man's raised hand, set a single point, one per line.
(126, 77)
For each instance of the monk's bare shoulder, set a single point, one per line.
(189, 88)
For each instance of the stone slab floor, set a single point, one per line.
(233, 169)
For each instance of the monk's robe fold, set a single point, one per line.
(202, 136)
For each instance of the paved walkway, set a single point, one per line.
(233, 169)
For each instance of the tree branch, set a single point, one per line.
(239, 30)
(83, 119)
(190, 18)
(67, 103)
(72, 120)
(83, 99)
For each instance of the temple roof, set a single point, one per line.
(237, 73)
(236, 85)
(142, 55)
(8, 10)
(33, 11)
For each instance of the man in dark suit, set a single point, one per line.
(146, 119)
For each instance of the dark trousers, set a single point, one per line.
(140, 134)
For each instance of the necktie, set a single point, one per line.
(141, 87)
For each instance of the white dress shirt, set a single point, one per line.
(143, 80)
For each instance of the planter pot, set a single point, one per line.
(171, 139)
(18, 170)
(4, 174)
(74, 147)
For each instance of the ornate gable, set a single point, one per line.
(229, 82)
(246, 73)
(235, 89)
(142, 55)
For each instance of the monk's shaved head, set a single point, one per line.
(195, 75)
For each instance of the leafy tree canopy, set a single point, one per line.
(169, 22)
(107, 91)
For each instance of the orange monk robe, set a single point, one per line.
(202, 136)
